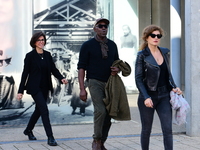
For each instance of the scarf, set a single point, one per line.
(104, 46)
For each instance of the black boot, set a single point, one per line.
(30, 134)
(51, 141)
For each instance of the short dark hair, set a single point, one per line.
(35, 37)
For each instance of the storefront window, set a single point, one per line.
(67, 24)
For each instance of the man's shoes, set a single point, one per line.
(102, 146)
(30, 134)
(96, 145)
(51, 141)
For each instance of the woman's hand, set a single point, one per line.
(148, 103)
(19, 96)
(177, 90)
(64, 81)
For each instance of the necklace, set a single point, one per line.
(41, 55)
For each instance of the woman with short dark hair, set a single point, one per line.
(36, 80)
(35, 38)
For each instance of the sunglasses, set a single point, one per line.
(42, 40)
(154, 35)
(102, 25)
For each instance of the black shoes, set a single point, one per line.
(51, 141)
(30, 134)
(83, 114)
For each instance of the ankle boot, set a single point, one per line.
(102, 146)
(30, 134)
(51, 141)
(96, 145)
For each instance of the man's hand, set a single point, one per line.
(114, 70)
(83, 95)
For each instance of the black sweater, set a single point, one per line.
(90, 59)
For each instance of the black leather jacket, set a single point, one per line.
(147, 71)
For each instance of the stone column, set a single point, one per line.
(192, 65)
(175, 33)
(144, 14)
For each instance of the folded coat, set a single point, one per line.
(181, 107)
(116, 100)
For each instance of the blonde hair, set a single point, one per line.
(146, 32)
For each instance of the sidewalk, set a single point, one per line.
(78, 137)
(123, 135)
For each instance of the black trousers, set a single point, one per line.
(41, 109)
(161, 101)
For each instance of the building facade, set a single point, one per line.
(68, 23)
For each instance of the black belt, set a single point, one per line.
(162, 89)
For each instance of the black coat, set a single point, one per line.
(32, 74)
(147, 71)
